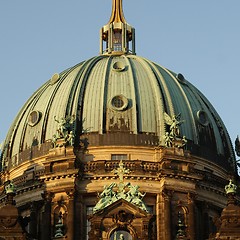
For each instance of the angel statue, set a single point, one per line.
(107, 197)
(174, 122)
(65, 125)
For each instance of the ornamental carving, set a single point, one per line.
(65, 132)
(231, 187)
(123, 218)
(109, 196)
(10, 188)
(172, 137)
(122, 190)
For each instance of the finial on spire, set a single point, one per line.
(117, 36)
(117, 12)
(231, 188)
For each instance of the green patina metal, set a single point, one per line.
(10, 188)
(123, 190)
(59, 227)
(65, 131)
(149, 89)
(172, 138)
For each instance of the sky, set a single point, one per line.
(200, 39)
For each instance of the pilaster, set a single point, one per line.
(70, 218)
(46, 216)
(191, 216)
(164, 215)
(33, 217)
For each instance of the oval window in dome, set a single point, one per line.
(34, 118)
(180, 78)
(55, 77)
(118, 66)
(202, 118)
(119, 102)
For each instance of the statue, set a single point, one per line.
(135, 197)
(61, 126)
(133, 193)
(181, 142)
(167, 140)
(64, 125)
(184, 141)
(108, 196)
(120, 171)
(54, 140)
(70, 138)
(10, 188)
(59, 226)
(174, 122)
(64, 132)
(121, 237)
(172, 138)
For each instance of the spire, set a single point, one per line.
(117, 36)
(117, 12)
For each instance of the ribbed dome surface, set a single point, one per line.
(121, 96)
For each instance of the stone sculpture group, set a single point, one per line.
(123, 190)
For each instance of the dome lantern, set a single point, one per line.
(117, 36)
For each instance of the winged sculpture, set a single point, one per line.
(174, 122)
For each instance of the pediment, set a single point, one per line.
(121, 205)
(121, 215)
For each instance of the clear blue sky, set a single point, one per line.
(200, 39)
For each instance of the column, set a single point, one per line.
(191, 216)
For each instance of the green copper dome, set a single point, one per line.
(120, 100)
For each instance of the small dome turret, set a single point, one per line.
(117, 36)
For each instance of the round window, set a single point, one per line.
(121, 235)
(55, 77)
(118, 66)
(34, 118)
(180, 78)
(119, 102)
(202, 118)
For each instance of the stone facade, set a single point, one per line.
(66, 183)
